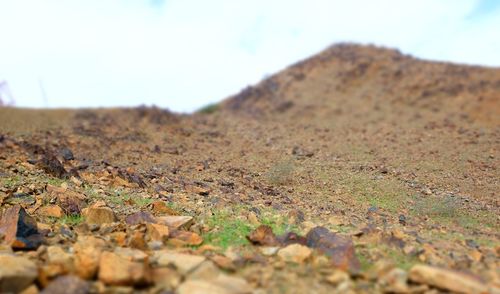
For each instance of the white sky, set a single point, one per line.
(184, 54)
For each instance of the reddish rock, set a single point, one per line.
(99, 215)
(19, 229)
(160, 208)
(141, 217)
(339, 248)
(175, 222)
(263, 235)
(186, 238)
(51, 211)
(122, 271)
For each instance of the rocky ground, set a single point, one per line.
(359, 170)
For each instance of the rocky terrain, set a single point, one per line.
(358, 170)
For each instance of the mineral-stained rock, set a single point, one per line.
(16, 273)
(67, 284)
(87, 256)
(161, 208)
(339, 248)
(19, 228)
(185, 263)
(122, 271)
(295, 253)
(56, 255)
(51, 210)
(99, 215)
(186, 238)
(263, 235)
(446, 279)
(141, 217)
(175, 222)
(157, 232)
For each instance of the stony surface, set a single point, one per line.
(358, 170)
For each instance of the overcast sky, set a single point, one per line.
(183, 54)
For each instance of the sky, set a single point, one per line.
(184, 54)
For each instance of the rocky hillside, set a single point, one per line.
(358, 170)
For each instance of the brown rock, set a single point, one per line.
(224, 262)
(157, 232)
(16, 273)
(121, 271)
(141, 217)
(87, 256)
(99, 215)
(138, 240)
(339, 248)
(263, 235)
(19, 228)
(175, 222)
(295, 253)
(56, 255)
(166, 278)
(446, 279)
(161, 208)
(186, 238)
(67, 284)
(184, 263)
(223, 284)
(51, 211)
(394, 281)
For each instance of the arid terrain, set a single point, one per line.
(358, 170)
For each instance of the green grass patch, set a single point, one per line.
(72, 219)
(209, 109)
(11, 182)
(226, 230)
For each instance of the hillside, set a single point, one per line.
(358, 170)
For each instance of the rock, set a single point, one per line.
(263, 235)
(157, 232)
(394, 281)
(339, 248)
(269, 251)
(141, 217)
(56, 255)
(224, 262)
(161, 208)
(166, 278)
(99, 215)
(22, 199)
(175, 222)
(67, 284)
(16, 273)
(223, 284)
(205, 271)
(66, 153)
(337, 277)
(51, 211)
(185, 263)
(121, 271)
(87, 256)
(70, 201)
(131, 254)
(19, 228)
(186, 238)
(446, 279)
(295, 253)
(33, 289)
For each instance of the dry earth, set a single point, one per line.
(359, 170)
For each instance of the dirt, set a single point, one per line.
(396, 156)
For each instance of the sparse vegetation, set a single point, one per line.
(227, 230)
(72, 220)
(209, 109)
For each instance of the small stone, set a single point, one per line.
(175, 222)
(263, 235)
(121, 271)
(337, 277)
(252, 218)
(205, 271)
(161, 208)
(16, 273)
(224, 262)
(268, 250)
(339, 248)
(33, 289)
(185, 263)
(87, 256)
(223, 284)
(51, 211)
(166, 278)
(19, 228)
(99, 215)
(56, 255)
(67, 284)
(131, 254)
(394, 281)
(446, 279)
(295, 253)
(186, 238)
(141, 217)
